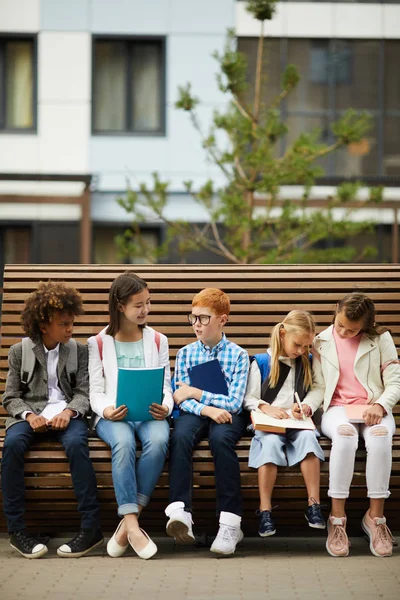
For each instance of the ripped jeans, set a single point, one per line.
(344, 436)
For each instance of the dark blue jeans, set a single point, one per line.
(74, 440)
(188, 430)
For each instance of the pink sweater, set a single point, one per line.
(348, 390)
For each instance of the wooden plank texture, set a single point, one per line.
(260, 296)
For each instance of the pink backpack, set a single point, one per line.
(99, 341)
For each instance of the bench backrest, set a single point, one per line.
(261, 295)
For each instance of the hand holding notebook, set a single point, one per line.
(208, 376)
(137, 389)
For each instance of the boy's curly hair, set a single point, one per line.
(49, 298)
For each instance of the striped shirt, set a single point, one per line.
(234, 362)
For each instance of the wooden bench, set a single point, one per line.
(260, 296)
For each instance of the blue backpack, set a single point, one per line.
(264, 364)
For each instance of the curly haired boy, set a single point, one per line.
(51, 403)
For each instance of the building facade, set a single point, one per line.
(87, 92)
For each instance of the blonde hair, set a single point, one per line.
(297, 321)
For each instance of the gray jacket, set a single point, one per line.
(15, 401)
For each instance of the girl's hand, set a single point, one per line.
(115, 414)
(273, 411)
(158, 411)
(296, 412)
(374, 414)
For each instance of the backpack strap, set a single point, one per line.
(157, 339)
(264, 364)
(27, 363)
(99, 341)
(72, 362)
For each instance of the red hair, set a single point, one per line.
(214, 299)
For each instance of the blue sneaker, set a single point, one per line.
(267, 523)
(314, 516)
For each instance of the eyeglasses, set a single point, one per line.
(203, 319)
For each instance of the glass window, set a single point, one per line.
(391, 146)
(105, 248)
(311, 57)
(392, 75)
(128, 91)
(306, 124)
(356, 77)
(17, 245)
(336, 75)
(272, 71)
(359, 158)
(17, 85)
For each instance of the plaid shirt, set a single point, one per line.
(234, 362)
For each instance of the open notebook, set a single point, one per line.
(263, 422)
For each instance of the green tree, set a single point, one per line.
(248, 220)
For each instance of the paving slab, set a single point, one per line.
(273, 569)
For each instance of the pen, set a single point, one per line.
(299, 404)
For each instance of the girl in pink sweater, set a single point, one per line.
(355, 363)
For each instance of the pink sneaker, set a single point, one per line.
(337, 543)
(380, 537)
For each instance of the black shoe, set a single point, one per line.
(81, 544)
(27, 545)
(267, 523)
(314, 516)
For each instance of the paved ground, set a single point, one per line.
(274, 569)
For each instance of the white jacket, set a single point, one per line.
(376, 367)
(103, 375)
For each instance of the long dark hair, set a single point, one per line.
(358, 307)
(122, 288)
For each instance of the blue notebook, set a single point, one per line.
(209, 377)
(137, 389)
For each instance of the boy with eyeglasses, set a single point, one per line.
(203, 414)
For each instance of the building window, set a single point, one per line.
(105, 249)
(17, 83)
(334, 75)
(129, 86)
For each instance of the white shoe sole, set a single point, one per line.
(315, 526)
(220, 553)
(268, 534)
(38, 554)
(78, 554)
(180, 531)
(374, 552)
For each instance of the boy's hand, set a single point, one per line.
(158, 411)
(219, 415)
(374, 414)
(273, 411)
(186, 392)
(61, 421)
(38, 423)
(115, 414)
(296, 412)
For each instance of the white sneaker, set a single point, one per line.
(229, 534)
(180, 523)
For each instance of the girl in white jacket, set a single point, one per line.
(129, 342)
(355, 363)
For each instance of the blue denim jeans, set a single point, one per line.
(135, 479)
(75, 442)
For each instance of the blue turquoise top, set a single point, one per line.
(130, 354)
